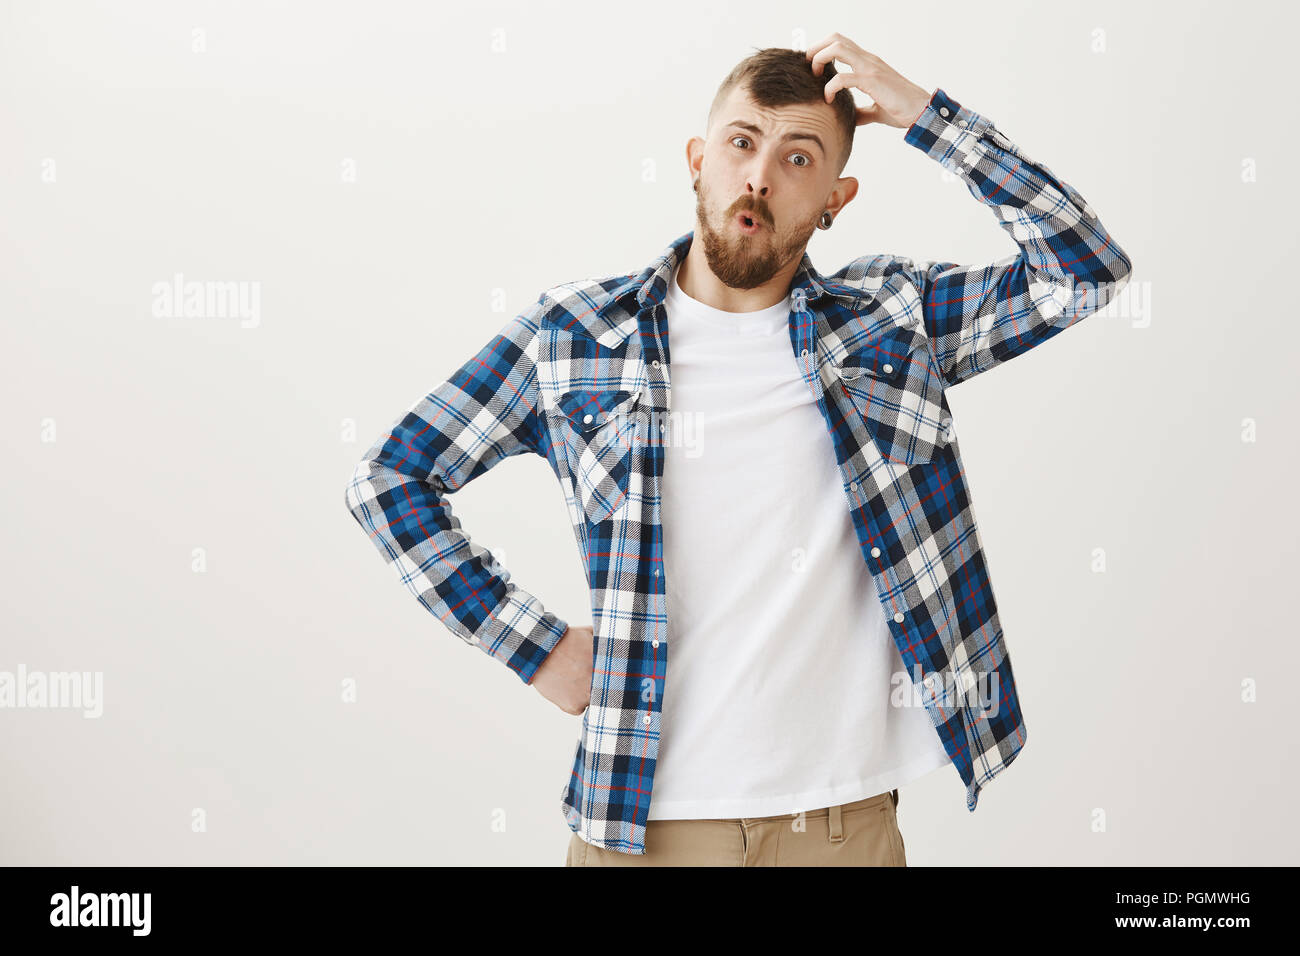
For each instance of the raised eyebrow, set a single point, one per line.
(750, 127)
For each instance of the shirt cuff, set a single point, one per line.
(521, 634)
(945, 127)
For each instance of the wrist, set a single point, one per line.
(919, 107)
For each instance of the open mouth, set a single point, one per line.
(747, 223)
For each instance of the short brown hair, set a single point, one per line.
(778, 76)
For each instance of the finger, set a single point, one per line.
(827, 53)
(816, 47)
(822, 56)
(845, 50)
(839, 81)
(869, 114)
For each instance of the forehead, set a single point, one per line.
(777, 120)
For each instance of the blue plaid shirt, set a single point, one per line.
(582, 378)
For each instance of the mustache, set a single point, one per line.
(755, 208)
(758, 211)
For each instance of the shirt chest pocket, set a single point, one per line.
(600, 435)
(891, 383)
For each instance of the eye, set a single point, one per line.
(807, 160)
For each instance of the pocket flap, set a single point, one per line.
(885, 358)
(588, 409)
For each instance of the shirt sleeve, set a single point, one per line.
(399, 494)
(1067, 267)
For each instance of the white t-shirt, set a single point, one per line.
(778, 689)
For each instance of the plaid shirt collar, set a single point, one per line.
(612, 320)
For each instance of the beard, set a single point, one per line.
(746, 262)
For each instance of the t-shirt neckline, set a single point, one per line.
(769, 321)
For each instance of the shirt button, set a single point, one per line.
(888, 368)
(943, 111)
(654, 643)
(661, 428)
(586, 419)
(875, 552)
(654, 364)
(804, 352)
(961, 123)
(645, 719)
(899, 617)
(656, 572)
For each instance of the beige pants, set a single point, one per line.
(862, 833)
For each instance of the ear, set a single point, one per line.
(845, 189)
(694, 156)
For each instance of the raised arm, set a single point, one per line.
(977, 316)
(1067, 267)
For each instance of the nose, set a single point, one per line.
(756, 182)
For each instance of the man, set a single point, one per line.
(792, 611)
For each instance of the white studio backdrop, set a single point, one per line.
(388, 182)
